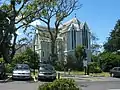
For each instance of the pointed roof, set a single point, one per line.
(73, 22)
(86, 26)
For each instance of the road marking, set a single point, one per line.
(113, 89)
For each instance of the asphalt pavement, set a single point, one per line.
(85, 82)
(20, 85)
(99, 85)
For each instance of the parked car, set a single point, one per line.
(115, 72)
(46, 72)
(2, 71)
(21, 71)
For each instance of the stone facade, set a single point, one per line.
(71, 34)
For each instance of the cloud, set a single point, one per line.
(37, 22)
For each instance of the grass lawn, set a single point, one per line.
(103, 74)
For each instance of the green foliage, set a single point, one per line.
(9, 68)
(28, 57)
(60, 84)
(94, 67)
(70, 63)
(95, 58)
(80, 55)
(1, 60)
(59, 66)
(9, 24)
(113, 43)
(80, 52)
(109, 60)
(73, 64)
(25, 57)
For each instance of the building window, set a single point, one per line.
(73, 32)
(43, 53)
(85, 37)
(72, 38)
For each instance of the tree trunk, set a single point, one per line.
(53, 54)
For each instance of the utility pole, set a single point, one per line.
(34, 60)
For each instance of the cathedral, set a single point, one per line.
(71, 34)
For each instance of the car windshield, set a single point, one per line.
(46, 67)
(22, 67)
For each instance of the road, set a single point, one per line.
(101, 83)
(20, 85)
(97, 83)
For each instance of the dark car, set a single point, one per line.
(115, 72)
(2, 70)
(21, 71)
(46, 72)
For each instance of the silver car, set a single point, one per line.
(46, 72)
(21, 71)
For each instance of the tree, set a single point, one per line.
(54, 12)
(113, 42)
(109, 60)
(80, 54)
(13, 16)
(29, 57)
(94, 45)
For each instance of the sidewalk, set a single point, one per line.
(87, 77)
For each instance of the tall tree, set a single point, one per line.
(80, 53)
(29, 57)
(54, 12)
(95, 47)
(113, 42)
(13, 16)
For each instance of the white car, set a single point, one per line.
(21, 71)
(46, 72)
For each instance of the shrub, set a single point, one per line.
(9, 68)
(60, 84)
(94, 68)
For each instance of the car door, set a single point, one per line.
(114, 71)
(118, 71)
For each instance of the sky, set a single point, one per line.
(100, 15)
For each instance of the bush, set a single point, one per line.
(9, 68)
(60, 84)
(94, 68)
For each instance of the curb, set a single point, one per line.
(6, 80)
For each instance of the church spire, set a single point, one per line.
(75, 15)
